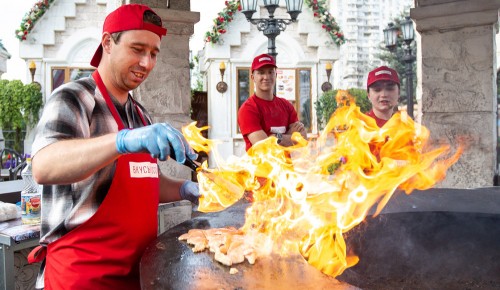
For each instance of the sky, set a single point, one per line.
(12, 14)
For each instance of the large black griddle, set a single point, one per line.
(426, 250)
(171, 264)
(433, 239)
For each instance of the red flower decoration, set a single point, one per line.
(322, 14)
(30, 18)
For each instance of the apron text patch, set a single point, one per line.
(143, 169)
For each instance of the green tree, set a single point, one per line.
(19, 107)
(326, 105)
(194, 67)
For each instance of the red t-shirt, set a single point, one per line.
(380, 122)
(270, 116)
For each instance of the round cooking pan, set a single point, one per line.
(433, 239)
(171, 264)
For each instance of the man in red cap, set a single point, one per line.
(383, 92)
(95, 153)
(264, 114)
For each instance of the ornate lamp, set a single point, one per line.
(326, 86)
(391, 37)
(271, 27)
(408, 32)
(222, 85)
(32, 67)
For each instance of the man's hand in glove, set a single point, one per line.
(190, 191)
(157, 139)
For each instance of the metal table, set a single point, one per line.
(10, 191)
(14, 236)
(5, 174)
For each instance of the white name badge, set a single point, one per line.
(275, 130)
(143, 169)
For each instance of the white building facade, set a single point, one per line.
(4, 56)
(304, 49)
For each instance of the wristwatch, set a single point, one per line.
(279, 136)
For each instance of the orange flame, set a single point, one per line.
(308, 195)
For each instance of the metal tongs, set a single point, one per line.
(231, 187)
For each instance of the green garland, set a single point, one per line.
(318, 6)
(31, 18)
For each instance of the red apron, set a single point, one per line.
(105, 251)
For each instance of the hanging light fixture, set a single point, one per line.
(248, 7)
(391, 36)
(407, 29)
(294, 8)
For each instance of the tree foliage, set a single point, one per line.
(19, 107)
(326, 104)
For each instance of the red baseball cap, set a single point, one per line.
(382, 73)
(127, 17)
(262, 60)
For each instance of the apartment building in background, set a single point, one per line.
(362, 22)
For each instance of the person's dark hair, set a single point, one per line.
(149, 17)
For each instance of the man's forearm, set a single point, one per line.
(169, 188)
(71, 161)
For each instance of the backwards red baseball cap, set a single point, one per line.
(382, 73)
(127, 17)
(262, 60)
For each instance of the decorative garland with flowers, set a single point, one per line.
(327, 20)
(32, 17)
(318, 6)
(222, 20)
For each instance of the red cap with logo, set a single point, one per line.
(262, 60)
(382, 73)
(127, 17)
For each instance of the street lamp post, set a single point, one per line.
(271, 27)
(390, 38)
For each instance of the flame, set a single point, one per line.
(308, 195)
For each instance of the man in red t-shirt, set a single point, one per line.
(264, 114)
(383, 88)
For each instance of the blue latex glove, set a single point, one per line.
(157, 139)
(190, 191)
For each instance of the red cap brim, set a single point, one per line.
(96, 59)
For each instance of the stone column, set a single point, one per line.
(166, 93)
(457, 73)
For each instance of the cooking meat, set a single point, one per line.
(228, 244)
